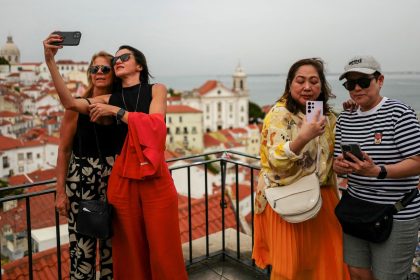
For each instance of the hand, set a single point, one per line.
(340, 166)
(350, 105)
(62, 204)
(98, 110)
(51, 50)
(365, 167)
(313, 129)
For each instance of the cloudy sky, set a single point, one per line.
(187, 37)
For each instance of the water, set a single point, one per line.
(266, 89)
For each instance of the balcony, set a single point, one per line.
(217, 239)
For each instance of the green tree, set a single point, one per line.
(4, 184)
(255, 112)
(4, 61)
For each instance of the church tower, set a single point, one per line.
(240, 81)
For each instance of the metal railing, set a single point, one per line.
(223, 158)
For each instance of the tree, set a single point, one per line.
(4, 184)
(4, 61)
(255, 112)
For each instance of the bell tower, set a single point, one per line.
(240, 80)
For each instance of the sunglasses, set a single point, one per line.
(94, 69)
(124, 57)
(362, 82)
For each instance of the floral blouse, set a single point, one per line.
(279, 165)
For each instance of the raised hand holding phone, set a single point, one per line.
(69, 38)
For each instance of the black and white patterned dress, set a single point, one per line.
(93, 186)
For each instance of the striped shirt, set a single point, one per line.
(388, 133)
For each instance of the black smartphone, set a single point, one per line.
(70, 38)
(351, 148)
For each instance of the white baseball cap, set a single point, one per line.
(365, 64)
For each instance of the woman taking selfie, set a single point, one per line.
(146, 241)
(79, 149)
(310, 249)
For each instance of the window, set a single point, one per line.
(208, 108)
(20, 156)
(168, 130)
(171, 139)
(219, 91)
(29, 156)
(219, 106)
(194, 130)
(242, 108)
(178, 130)
(38, 155)
(185, 130)
(230, 107)
(169, 120)
(6, 162)
(21, 169)
(180, 119)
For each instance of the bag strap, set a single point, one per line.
(403, 202)
(318, 155)
(101, 159)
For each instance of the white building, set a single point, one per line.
(45, 238)
(184, 128)
(19, 157)
(222, 107)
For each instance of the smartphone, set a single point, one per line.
(312, 107)
(351, 148)
(70, 38)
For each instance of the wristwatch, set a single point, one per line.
(382, 174)
(120, 115)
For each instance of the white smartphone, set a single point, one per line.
(312, 107)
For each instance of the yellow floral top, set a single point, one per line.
(279, 164)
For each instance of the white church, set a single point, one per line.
(222, 107)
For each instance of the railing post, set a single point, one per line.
(252, 210)
(207, 210)
(57, 233)
(223, 202)
(238, 241)
(189, 213)
(29, 237)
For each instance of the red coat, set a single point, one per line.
(143, 151)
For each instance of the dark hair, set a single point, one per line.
(325, 94)
(141, 60)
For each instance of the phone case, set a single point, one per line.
(70, 38)
(311, 108)
(352, 148)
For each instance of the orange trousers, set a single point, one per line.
(146, 243)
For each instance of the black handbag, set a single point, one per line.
(94, 218)
(367, 220)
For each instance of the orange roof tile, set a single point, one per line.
(210, 141)
(181, 109)
(198, 218)
(207, 86)
(44, 266)
(8, 114)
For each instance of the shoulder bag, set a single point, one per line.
(94, 218)
(368, 220)
(299, 201)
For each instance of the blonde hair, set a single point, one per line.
(89, 91)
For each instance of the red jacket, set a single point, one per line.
(143, 151)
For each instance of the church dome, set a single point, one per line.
(10, 51)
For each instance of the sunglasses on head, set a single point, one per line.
(94, 69)
(362, 82)
(124, 57)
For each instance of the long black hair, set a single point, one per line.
(141, 60)
(325, 94)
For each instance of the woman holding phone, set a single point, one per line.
(143, 195)
(311, 249)
(79, 149)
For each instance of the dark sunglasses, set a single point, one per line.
(94, 69)
(362, 82)
(124, 57)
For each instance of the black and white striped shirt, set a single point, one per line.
(388, 133)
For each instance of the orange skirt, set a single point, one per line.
(309, 250)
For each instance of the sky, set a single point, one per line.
(210, 37)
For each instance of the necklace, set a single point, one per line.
(137, 102)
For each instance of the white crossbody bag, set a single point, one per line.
(299, 201)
